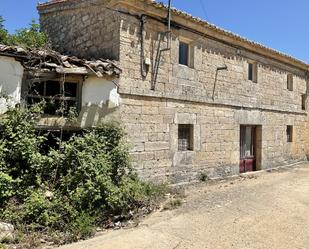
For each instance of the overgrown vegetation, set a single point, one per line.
(65, 193)
(60, 194)
(26, 37)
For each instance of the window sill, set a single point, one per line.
(187, 152)
(185, 66)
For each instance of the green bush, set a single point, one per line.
(20, 156)
(6, 187)
(73, 188)
(91, 169)
(83, 226)
(2, 246)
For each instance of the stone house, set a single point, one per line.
(195, 99)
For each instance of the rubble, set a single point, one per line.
(6, 231)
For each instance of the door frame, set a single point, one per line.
(248, 163)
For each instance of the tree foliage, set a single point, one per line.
(26, 37)
(3, 32)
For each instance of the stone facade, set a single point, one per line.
(215, 102)
(83, 28)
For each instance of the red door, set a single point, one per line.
(247, 148)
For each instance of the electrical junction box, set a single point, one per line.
(147, 62)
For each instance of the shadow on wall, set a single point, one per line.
(92, 114)
(100, 99)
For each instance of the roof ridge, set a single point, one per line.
(227, 32)
(209, 25)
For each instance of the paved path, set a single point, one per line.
(270, 210)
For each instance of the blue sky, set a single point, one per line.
(279, 24)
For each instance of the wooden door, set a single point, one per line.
(247, 148)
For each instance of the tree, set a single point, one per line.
(3, 32)
(26, 37)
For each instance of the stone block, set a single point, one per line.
(156, 146)
(185, 118)
(6, 231)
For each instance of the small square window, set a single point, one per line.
(289, 133)
(184, 53)
(303, 101)
(185, 137)
(252, 71)
(290, 82)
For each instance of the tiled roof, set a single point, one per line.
(206, 24)
(220, 30)
(51, 61)
(50, 2)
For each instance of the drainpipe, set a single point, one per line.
(216, 77)
(169, 16)
(168, 33)
(307, 81)
(143, 66)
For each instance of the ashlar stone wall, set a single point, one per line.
(202, 82)
(215, 102)
(83, 28)
(152, 124)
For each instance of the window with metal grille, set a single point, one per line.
(289, 133)
(290, 82)
(185, 137)
(252, 71)
(184, 53)
(58, 96)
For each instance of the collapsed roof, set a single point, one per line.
(47, 60)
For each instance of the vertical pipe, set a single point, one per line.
(169, 14)
(169, 23)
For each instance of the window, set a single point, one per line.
(289, 133)
(290, 82)
(252, 71)
(184, 53)
(59, 97)
(303, 101)
(185, 137)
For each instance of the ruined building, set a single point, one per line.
(66, 84)
(195, 99)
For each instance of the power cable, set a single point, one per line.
(204, 10)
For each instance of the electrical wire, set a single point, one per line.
(204, 10)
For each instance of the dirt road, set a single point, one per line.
(270, 210)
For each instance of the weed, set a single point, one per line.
(172, 204)
(204, 177)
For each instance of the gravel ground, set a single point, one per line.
(264, 210)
